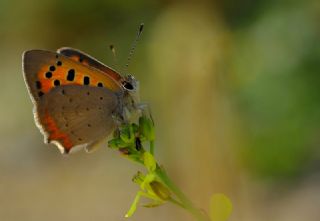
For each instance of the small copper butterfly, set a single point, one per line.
(77, 100)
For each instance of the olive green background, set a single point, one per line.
(234, 88)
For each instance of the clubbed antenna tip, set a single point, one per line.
(141, 28)
(134, 44)
(113, 50)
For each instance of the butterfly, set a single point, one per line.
(78, 101)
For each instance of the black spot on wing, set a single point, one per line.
(56, 82)
(71, 75)
(48, 74)
(38, 84)
(86, 80)
(52, 68)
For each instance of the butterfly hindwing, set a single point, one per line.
(87, 60)
(74, 115)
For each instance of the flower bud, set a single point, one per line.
(138, 178)
(146, 128)
(127, 134)
(117, 143)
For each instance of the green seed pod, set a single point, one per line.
(160, 190)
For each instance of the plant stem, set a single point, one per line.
(184, 201)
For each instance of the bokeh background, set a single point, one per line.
(234, 88)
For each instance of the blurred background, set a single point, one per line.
(234, 88)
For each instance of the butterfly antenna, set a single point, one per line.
(134, 44)
(115, 60)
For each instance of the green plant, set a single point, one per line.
(155, 184)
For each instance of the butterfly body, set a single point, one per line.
(78, 101)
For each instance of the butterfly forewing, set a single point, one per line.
(87, 60)
(45, 70)
(74, 103)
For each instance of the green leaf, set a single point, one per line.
(149, 161)
(220, 207)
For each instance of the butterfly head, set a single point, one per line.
(131, 87)
(130, 84)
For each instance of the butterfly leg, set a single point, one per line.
(118, 120)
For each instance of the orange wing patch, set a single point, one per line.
(87, 60)
(98, 66)
(55, 133)
(79, 59)
(68, 72)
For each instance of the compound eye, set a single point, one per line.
(128, 86)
